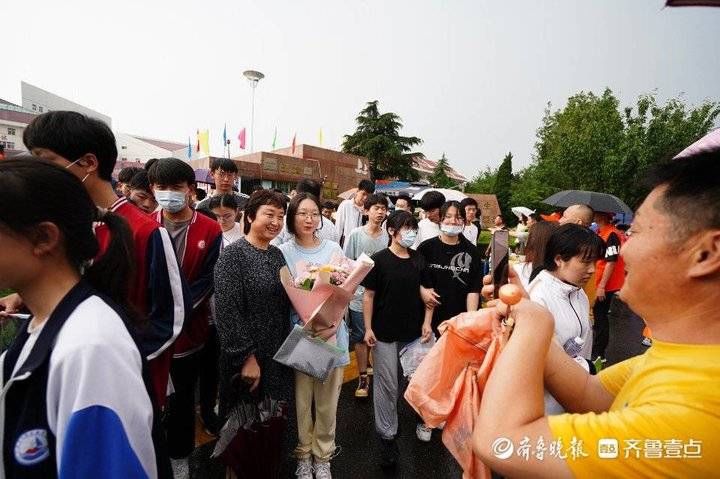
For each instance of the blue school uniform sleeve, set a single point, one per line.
(96, 445)
(169, 297)
(97, 404)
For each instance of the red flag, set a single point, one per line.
(241, 138)
(197, 145)
(293, 143)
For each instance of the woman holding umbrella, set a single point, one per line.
(252, 312)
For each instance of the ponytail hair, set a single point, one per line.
(69, 207)
(113, 273)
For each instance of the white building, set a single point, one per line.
(13, 120)
(140, 149)
(133, 150)
(38, 101)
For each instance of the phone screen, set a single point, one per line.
(499, 259)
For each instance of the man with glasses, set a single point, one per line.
(225, 173)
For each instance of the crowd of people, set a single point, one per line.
(142, 293)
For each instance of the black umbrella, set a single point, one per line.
(603, 202)
(693, 3)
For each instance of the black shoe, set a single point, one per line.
(389, 454)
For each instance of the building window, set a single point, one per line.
(124, 147)
(41, 109)
(9, 145)
(34, 107)
(124, 159)
(11, 131)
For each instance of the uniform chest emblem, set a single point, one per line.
(201, 244)
(32, 447)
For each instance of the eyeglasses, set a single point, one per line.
(305, 215)
(227, 217)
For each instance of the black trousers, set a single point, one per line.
(180, 419)
(601, 324)
(209, 374)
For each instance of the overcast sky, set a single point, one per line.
(471, 78)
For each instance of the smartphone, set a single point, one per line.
(499, 259)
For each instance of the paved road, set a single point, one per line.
(360, 450)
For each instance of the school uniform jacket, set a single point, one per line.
(78, 405)
(158, 290)
(202, 249)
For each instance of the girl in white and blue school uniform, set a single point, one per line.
(74, 402)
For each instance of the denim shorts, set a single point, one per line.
(357, 327)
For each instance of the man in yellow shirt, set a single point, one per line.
(655, 415)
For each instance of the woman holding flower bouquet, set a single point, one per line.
(304, 254)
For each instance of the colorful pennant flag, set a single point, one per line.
(205, 142)
(189, 152)
(197, 145)
(320, 137)
(241, 139)
(293, 143)
(274, 139)
(225, 135)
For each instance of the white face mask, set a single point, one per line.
(84, 177)
(171, 201)
(407, 238)
(451, 230)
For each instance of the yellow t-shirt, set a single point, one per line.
(664, 422)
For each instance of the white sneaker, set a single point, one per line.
(180, 468)
(304, 469)
(322, 470)
(423, 432)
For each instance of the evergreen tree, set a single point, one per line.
(378, 138)
(439, 177)
(503, 186)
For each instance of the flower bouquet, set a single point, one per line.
(320, 295)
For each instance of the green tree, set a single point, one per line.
(591, 144)
(503, 186)
(573, 142)
(653, 134)
(529, 190)
(483, 182)
(378, 138)
(439, 177)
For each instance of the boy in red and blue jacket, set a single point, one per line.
(196, 240)
(87, 148)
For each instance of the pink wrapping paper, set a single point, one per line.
(322, 308)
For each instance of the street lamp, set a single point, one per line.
(254, 77)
